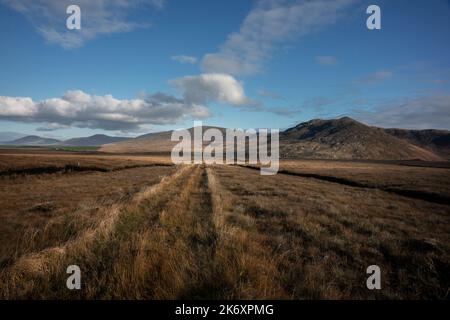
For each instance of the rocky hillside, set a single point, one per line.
(346, 138)
(437, 141)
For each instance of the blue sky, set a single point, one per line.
(141, 66)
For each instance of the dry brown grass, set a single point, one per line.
(225, 232)
(43, 210)
(321, 236)
(429, 180)
(17, 160)
(39, 274)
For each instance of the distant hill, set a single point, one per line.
(158, 142)
(437, 141)
(95, 140)
(152, 142)
(346, 138)
(343, 138)
(33, 141)
(10, 136)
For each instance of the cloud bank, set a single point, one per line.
(412, 113)
(98, 18)
(79, 109)
(270, 24)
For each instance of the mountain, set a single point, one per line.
(152, 142)
(346, 138)
(93, 141)
(33, 141)
(342, 138)
(10, 136)
(158, 142)
(437, 141)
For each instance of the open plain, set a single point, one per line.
(141, 228)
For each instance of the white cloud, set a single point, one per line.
(79, 109)
(268, 25)
(11, 106)
(208, 87)
(185, 59)
(98, 18)
(326, 60)
(428, 112)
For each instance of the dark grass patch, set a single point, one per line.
(70, 169)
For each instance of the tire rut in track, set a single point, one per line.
(162, 245)
(191, 237)
(96, 251)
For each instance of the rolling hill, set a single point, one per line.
(342, 138)
(33, 141)
(95, 140)
(158, 142)
(152, 142)
(10, 136)
(346, 138)
(437, 141)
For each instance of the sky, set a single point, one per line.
(142, 66)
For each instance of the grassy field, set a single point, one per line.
(140, 228)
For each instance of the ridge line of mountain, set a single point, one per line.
(343, 138)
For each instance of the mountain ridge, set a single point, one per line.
(6, 136)
(346, 138)
(437, 141)
(343, 138)
(94, 140)
(33, 140)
